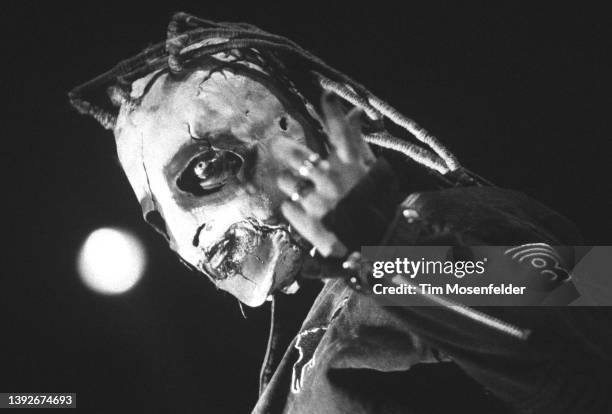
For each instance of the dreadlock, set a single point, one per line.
(190, 39)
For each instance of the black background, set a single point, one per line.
(520, 93)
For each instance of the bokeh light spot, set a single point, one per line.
(111, 261)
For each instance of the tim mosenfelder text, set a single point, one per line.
(404, 267)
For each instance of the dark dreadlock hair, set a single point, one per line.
(300, 72)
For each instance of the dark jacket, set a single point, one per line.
(353, 355)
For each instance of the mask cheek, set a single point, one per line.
(266, 170)
(157, 222)
(178, 227)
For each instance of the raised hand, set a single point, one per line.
(316, 185)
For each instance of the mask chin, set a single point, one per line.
(252, 260)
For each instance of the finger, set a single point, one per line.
(354, 120)
(342, 135)
(296, 157)
(312, 230)
(311, 200)
(290, 185)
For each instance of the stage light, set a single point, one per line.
(111, 261)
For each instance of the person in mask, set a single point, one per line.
(263, 166)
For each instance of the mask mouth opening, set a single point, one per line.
(225, 258)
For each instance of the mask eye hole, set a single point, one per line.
(155, 220)
(208, 172)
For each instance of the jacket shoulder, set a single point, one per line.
(489, 214)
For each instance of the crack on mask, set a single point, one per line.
(223, 67)
(146, 173)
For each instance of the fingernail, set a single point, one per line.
(249, 188)
(356, 112)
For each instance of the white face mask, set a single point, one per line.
(191, 149)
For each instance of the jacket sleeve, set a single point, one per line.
(563, 366)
